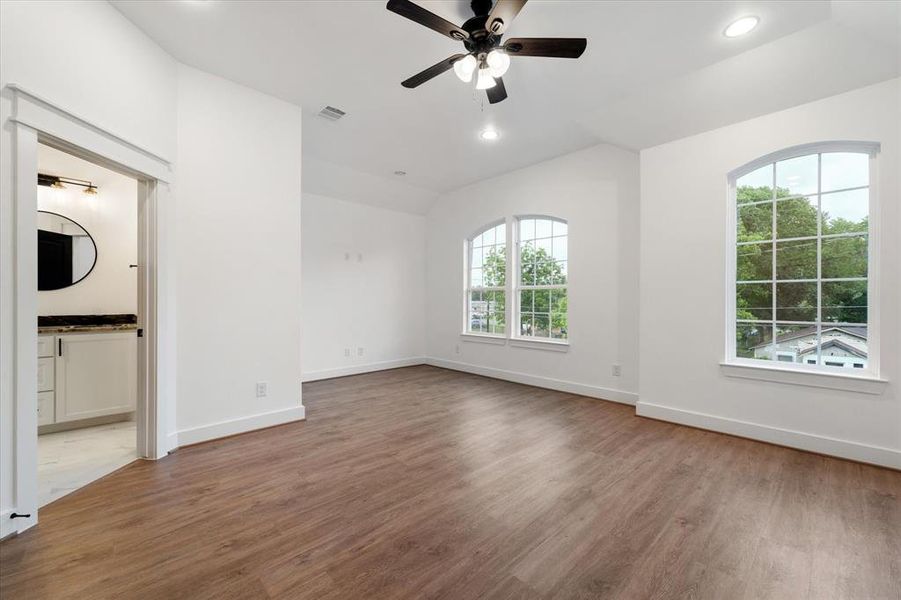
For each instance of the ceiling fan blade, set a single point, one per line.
(414, 12)
(433, 71)
(498, 93)
(552, 47)
(502, 15)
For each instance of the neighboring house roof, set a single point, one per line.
(860, 333)
(853, 347)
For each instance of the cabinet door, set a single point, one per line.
(46, 345)
(96, 375)
(45, 408)
(45, 374)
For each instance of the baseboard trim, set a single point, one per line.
(874, 455)
(360, 369)
(204, 433)
(559, 385)
(171, 443)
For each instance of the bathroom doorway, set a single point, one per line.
(87, 325)
(36, 120)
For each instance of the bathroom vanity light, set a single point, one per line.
(57, 182)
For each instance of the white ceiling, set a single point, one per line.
(653, 72)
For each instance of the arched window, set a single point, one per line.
(541, 283)
(486, 281)
(801, 286)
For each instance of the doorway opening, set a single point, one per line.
(87, 322)
(37, 122)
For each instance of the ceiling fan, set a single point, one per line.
(481, 35)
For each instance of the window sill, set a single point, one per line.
(539, 344)
(864, 384)
(483, 338)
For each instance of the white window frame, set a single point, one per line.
(818, 375)
(469, 288)
(516, 338)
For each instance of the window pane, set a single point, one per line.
(542, 228)
(478, 318)
(797, 176)
(796, 260)
(496, 323)
(755, 262)
(526, 299)
(542, 301)
(475, 278)
(495, 269)
(488, 237)
(559, 326)
(753, 340)
(844, 347)
(796, 301)
(559, 301)
(496, 312)
(544, 248)
(546, 270)
(476, 257)
(795, 343)
(526, 324)
(559, 274)
(842, 170)
(755, 222)
(796, 217)
(845, 212)
(844, 257)
(755, 186)
(527, 229)
(845, 301)
(754, 301)
(559, 228)
(559, 248)
(542, 325)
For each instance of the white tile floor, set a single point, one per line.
(69, 460)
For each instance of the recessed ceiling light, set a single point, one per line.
(741, 27)
(489, 134)
(400, 173)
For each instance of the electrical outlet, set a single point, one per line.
(617, 370)
(347, 353)
(262, 389)
(457, 349)
(360, 351)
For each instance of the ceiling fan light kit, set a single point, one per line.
(481, 36)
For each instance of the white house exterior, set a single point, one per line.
(843, 346)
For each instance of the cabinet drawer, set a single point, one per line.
(46, 345)
(45, 374)
(45, 408)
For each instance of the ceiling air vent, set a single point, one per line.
(331, 113)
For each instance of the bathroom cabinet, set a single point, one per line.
(86, 375)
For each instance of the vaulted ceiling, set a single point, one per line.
(654, 71)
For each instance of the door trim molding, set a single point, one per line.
(37, 120)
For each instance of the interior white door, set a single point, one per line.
(96, 375)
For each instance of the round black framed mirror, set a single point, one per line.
(66, 251)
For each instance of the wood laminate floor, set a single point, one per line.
(427, 483)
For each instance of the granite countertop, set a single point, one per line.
(87, 323)
(86, 328)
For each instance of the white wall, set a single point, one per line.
(86, 57)
(596, 191)
(239, 232)
(683, 305)
(364, 287)
(111, 219)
